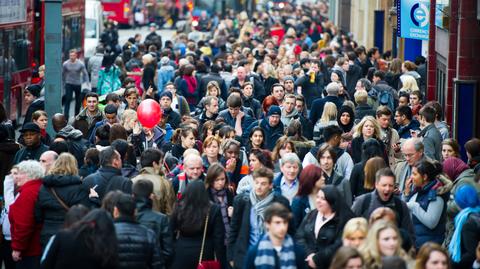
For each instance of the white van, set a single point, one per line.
(93, 26)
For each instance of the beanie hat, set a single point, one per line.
(34, 89)
(167, 94)
(274, 110)
(288, 78)
(453, 167)
(466, 196)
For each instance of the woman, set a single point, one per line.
(427, 202)
(432, 256)
(187, 86)
(213, 89)
(329, 117)
(355, 232)
(256, 139)
(90, 243)
(466, 236)
(62, 188)
(216, 182)
(257, 158)
(250, 101)
(40, 118)
(383, 240)
(392, 77)
(386, 213)
(108, 77)
(268, 77)
(321, 230)
(211, 151)
(367, 128)
(284, 145)
(294, 131)
(409, 84)
(416, 98)
(188, 221)
(450, 148)
(234, 161)
(347, 258)
(311, 180)
(362, 179)
(346, 118)
(183, 138)
(472, 147)
(327, 156)
(148, 74)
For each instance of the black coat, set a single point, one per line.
(137, 245)
(48, 209)
(357, 179)
(37, 104)
(469, 241)
(174, 119)
(326, 244)
(238, 239)
(25, 154)
(202, 84)
(108, 179)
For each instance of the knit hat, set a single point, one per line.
(453, 167)
(164, 60)
(288, 78)
(34, 89)
(167, 94)
(466, 196)
(274, 110)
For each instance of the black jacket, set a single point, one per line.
(363, 110)
(158, 223)
(254, 105)
(469, 241)
(137, 245)
(48, 209)
(173, 118)
(238, 239)
(318, 105)
(25, 154)
(202, 85)
(108, 179)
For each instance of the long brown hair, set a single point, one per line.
(425, 252)
(214, 171)
(371, 167)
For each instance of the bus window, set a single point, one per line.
(20, 48)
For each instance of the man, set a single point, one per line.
(432, 139)
(111, 117)
(286, 182)
(153, 36)
(151, 161)
(405, 122)
(383, 196)
(242, 77)
(73, 137)
(311, 84)
(109, 175)
(386, 95)
(25, 231)
(354, 72)
(127, 154)
(289, 113)
(193, 170)
(88, 117)
(214, 75)
(74, 74)
(165, 73)
(362, 109)
(412, 149)
(276, 249)
(272, 126)
(362, 60)
(342, 65)
(317, 106)
(33, 100)
(441, 125)
(344, 163)
(172, 117)
(33, 145)
(278, 92)
(289, 85)
(373, 55)
(235, 117)
(247, 224)
(210, 112)
(94, 66)
(47, 159)
(179, 103)
(389, 136)
(142, 191)
(138, 246)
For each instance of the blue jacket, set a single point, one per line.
(252, 254)
(404, 131)
(300, 208)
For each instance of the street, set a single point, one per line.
(125, 34)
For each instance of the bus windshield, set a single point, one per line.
(90, 28)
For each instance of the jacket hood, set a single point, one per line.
(70, 132)
(61, 180)
(445, 185)
(304, 144)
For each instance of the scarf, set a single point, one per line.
(223, 207)
(259, 206)
(455, 244)
(266, 254)
(453, 167)
(191, 83)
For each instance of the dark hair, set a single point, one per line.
(335, 199)
(110, 199)
(142, 189)
(308, 178)
(343, 255)
(276, 209)
(327, 147)
(430, 168)
(372, 51)
(97, 232)
(213, 172)
(234, 101)
(59, 147)
(428, 113)
(103, 134)
(225, 130)
(75, 214)
(107, 156)
(191, 210)
(472, 146)
(181, 132)
(150, 156)
(125, 205)
(384, 172)
(371, 148)
(263, 172)
(92, 156)
(3, 113)
(438, 109)
(405, 111)
(331, 131)
(264, 157)
(379, 74)
(117, 131)
(91, 94)
(121, 146)
(252, 131)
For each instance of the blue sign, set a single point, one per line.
(413, 19)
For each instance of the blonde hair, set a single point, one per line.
(210, 85)
(409, 84)
(66, 164)
(359, 127)
(128, 114)
(355, 225)
(361, 97)
(329, 112)
(370, 250)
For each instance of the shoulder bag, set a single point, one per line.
(206, 264)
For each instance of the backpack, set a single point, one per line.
(385, 98)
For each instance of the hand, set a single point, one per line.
(150, 91)
(231, 264)
(240, 115)
(408, 186)
(16, 255)
(137, 129)
(230, 211)
(310, 261)
(396, 147)
(231, 165)
(93, 193)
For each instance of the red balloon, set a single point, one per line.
(149, 113)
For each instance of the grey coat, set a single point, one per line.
(432, 142)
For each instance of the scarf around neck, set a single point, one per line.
(455, 247)
(191, 83)
(259, 206)
(266, 253)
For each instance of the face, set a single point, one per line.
(417, 178)
(359, 86)
(254, 163)
(277, 227)
(165, 102)
(383, 121)
(262, 186)
(385, 187)
(447, 151)
(436, 260)
(287, 148)
(111, 118)
(42, 122)
(289, 85)
(117, 161)
(213, 107)
(46, 160)
(257, 138)
(219, 182)
(368, 129)
(345, 66)
(345, 118)
(247, 90)
(194, 169)
(41, 72)
(411, 156)
(388, 242)
(28, 97)
(334, 77)
(92, 103)
(289, 104)
(212, 150)
(232, 152)
(414, 100)
(213, 92)
(188, 141)
(321, 203)
(19, 177)
(241, 74)
(354, 263)
(234, 111)
(354, 240)
(399, 119)
(132, 101)
(73, 56)
(326, 161)
(299, 105)
(171, 88)
(278, 93)
(403, 101)
(31, 138)
(290, 170)
(273, 120)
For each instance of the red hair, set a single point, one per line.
(308, 177)
(268, 102)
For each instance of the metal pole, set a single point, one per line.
(53, 59)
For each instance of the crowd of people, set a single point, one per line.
(282, 144)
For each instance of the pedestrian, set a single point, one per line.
(74, 74)
(33, 145)
(347, 257)
(432, 255)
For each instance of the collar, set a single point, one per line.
(284, 182)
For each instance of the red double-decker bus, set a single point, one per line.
(22, 28)
(119, 11)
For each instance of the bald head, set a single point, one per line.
(241, 73)
(59, 122)
(47, 159)
(193, 166)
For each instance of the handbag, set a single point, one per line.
(206, 264)
(60, 201)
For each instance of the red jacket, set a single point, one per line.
(25, 231)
